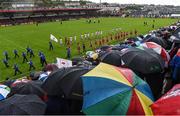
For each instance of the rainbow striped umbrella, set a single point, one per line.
(4, 91)
(112, 90)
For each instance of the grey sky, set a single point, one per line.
(162, 2)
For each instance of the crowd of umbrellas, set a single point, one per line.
(123, 79)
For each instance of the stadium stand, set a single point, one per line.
(18, 12)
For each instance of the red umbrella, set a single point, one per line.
(178, 53)
(160, 50)
(169, 103)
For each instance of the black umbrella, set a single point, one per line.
(37, 82)
(27, 88)
(176, 33)
(113, 57)
(120, 47)
(141, 36)
(22, 105)
(77, 60)
(105, 47)
(133, 39)
(65, 82)
(157, 40)
(143, 61)
(35, 75)
(175, 36)
(147, 37)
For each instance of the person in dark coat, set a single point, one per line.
(16, 53)
(6, 63)
(16, 69)
(155, 82)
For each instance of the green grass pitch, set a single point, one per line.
(37, 37)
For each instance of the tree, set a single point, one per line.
(82, 2)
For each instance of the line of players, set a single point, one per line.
(29, 52)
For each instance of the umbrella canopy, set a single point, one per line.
(109, 90)
(113, 57)
(105, 47)
(120, 47)
(157, 40)
(51, 67)
(19, 81)
(89, 53)
(4, 91)
(35, 75)
(43, 77)
(144, 61)
(176, 33)
(178, 53)
(77, 60)
(26, 89)
(65, 82)
(169, 103)
(175, 65)
(22, 105)
(134, 39)
(158, 49)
